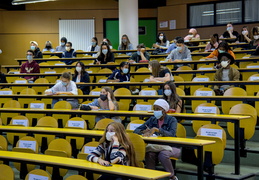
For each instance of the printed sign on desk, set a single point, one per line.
(37, 105)
(200, 79)
(27, 144)
(142, 107)
(22, 122)
(204, 109)
(206, 68)
(203, 93)
(211, 132)
(79, 124)
(96, 93)
(89, 149)
(255, 66)
(50, 72)
(134, 126)
(254, 78)
(148, 93)
(6, 92)
(37, 177)
(20, 82)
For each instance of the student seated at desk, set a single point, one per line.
(213, 44)
(105, 55)
(64, 87)
(244, 36)
(172, 98)
(163, 125)
(69, 53)
(107, 41)
(36, 49)
(254, 40)
(48, 47)
(140, 56)
(125, 44)
(181, 53)
(106, 101)
(94, 46)
(114, 147)
(161, 42)
(62, 47)
(222, 48)
(173, 45)
(81, 76)
(193, 35)
(159, 74)
(122, 74)
(225, 73)
(30, 66)
(230, 33)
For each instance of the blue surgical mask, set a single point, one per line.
(229, 28)
(93, 43)
(179, 48)
(138, 52)
(124, 40)
(167, 92)
(158, 114)
(125, 70)
(221, 51)
(29, 58)
(33, 48)
(105, 51)
(62, 44)
(64, 83)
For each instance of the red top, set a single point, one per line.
(160, 123)
(28, 68)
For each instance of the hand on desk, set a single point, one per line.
(149, 132)
(103, 162)
(94, 107)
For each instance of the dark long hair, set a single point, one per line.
(82, 71)
(174, 99)
(164, 39)
(122, 46)
(225, 45)
(123, 64)
(108, 53)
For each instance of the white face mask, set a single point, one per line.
(229, 28)
(191, 35)
(256, 37)
(244, 32)
(68, 48)
(109, 135)
(167, 92)
(78, 69)
(161, 37)
(224, 64)
(179, 48)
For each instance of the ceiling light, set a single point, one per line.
(19, 2)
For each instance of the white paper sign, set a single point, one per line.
(211, 132)
(200, 79)
(50, 72)
(252, 66)
(134, 126)
(254, 78)
(89, 71)
(37, 105)
(27, 144)
(76, 124)
(6, 92)
(203, 93)
(37, 177)
(146, 80)
(22, 122)
(59, 64)
(96, 93)
(89, 149)
(20, 81)
(163, 24)
(203, 109)
(148, 93)
(141, 107)
(16, 72)
(172, 24)
(205, 68)
(102, 80)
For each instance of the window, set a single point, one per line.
(251, 11)
(202, 15)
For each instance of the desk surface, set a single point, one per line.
(70, 163)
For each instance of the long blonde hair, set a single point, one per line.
(124, 141)
(156, 68)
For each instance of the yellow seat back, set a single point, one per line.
(202, 92)
(38, 172)
(6, 172)
(103, 123)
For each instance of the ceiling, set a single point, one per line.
(7, 4)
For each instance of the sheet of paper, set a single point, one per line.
(211, 132)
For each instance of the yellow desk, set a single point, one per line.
(84, 165)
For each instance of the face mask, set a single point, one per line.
(103, 97)
(62, 44)
(138, 53)
(48, 47)
(33, 48)
(68, 48)
(124, 40)
(161, 37)
(167, 92)
(105, 51)
(224, 63)
(244, 32)
(78, 69)
(221, 51)
(125, 70)
(179, 48)
(64, 83)
(29, 58)
(93, 43)
(158, 114)
(229, 28)
(105, 42)
(109, 135)
(191, 35)
(256, 37)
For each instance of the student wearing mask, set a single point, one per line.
(213, 44)
(81, 76)
(62, 47)
(181, 53)
(140, 56)
(161, 42)
(159, 74)
(173, 45)
(105, 55)
(64, 87)
(48, 47)
(225, 72)
(106, 101)
(114, 147)
(69, 53)
(171, 96)
(230, 33)
(163, 125)
(193, 35)
(254, 40)
(30, 66)
(222, 48)
(94, 46)
(107, 41)
(125, 44)
(122, 74)
(244, 36)
(36, 49)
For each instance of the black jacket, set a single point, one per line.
(86, 79)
